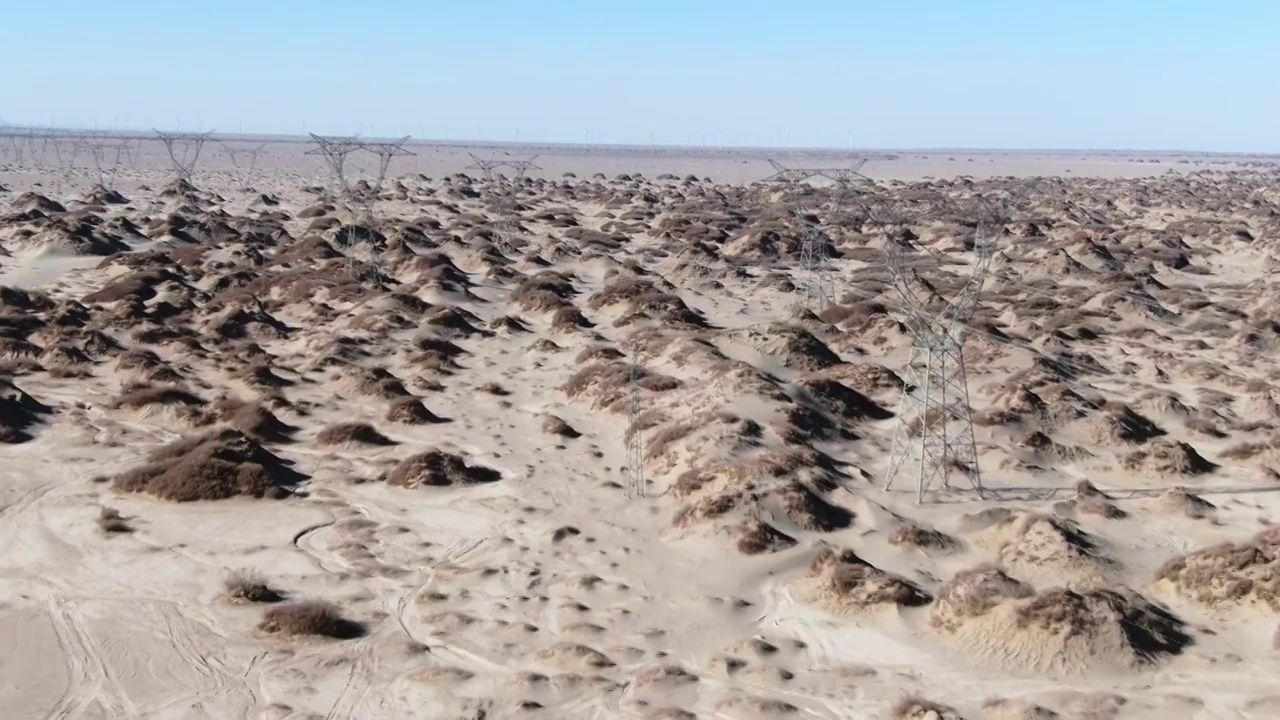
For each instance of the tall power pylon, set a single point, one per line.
(184, 150)
(934, 435)
(814, 274)
(505, 197)
(360, 196)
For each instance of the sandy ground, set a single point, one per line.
(1123, 349)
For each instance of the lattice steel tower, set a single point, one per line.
(814, 276)
(636, 484)
(504, 197)
(934, 435)
(360, 196)
(184, 150)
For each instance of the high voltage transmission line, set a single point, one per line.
(636, 485)
(504, 196)
(108, 155)
(184, 151)
(244, 161)
(934, 435)
(359, 195)
(816, 217)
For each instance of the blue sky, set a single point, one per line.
(1135, 74)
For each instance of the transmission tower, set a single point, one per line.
(65, 149)
(486, 167)
(791, 176)
(184, 150)
(108, 154)
(243, 162)
(815, 274)
(523, 166)
(934, 434)
(507, 203)
(359, 196)
(636, 486)
(18, 144)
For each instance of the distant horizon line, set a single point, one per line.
(8, 129)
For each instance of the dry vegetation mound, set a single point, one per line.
(18, 413)
(755, 537)
(253, 420)
(1046, 546)
(790, 345)
(1061, 630)
(1230, 574)
(309, 618)
(214, 466)
(1006, 709)
(244, 587)
(437, 468)
(910, 534)
(1089, 500)
(148, 401)
(1181, 501)
(844, 583)
(1166, 458)
(352, 434)
(918, 708)
(411, 411)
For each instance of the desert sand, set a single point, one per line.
(243, 479)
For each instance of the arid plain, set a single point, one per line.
(241, 479)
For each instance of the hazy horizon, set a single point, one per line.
(996, 75)
(833, 151)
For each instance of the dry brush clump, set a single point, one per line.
(147, 400)
(110, 521)
(910, 534)
(19, 412)
(254, 420)
(553, 425)
(973, 593)
(915, 707)
(1145, 629)
(438, 468)
(609, 382)
(1230, 574)
(314, 618)
(246, 587)
(1059, 630)
(546, 291)
(756, 537)
(352, 434)
(1165, 458)
(215, 466)
(1182, 501)
(842, 582)
(1047, 546)
(1089, 500)
(411, 411)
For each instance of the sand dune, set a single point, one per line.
(267, 461)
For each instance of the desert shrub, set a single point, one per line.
(553, 425)
(214, 466)
(922, 537)
(438, 468)
(139, 397)
(548, 290)
(493, 388)
(111, 521)
(755, 537)
(914, 707)
(250, 588)
(411, 411)
(352, 434)
(309, 617)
